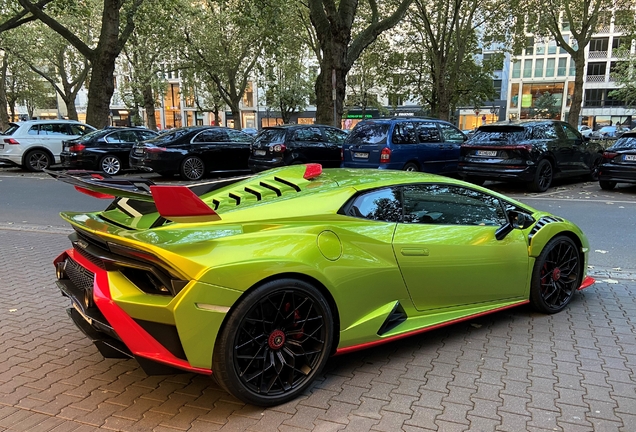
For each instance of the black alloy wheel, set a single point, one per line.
(594, 169)
(274, 343)
(37, 160)
(110, 164)
(607, 185)
(410, 166)
(542, 177)
(192, 168)
(556, 276)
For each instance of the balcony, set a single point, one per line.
(595, 78)
(597, 54)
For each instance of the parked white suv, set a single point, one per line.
(36, 144)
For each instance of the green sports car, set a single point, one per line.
(260, 279)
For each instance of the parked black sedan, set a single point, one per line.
(296, 144)
(532, 151)
(104, 150)
(193, 152)
(619, 162)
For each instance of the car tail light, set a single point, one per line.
(76, 148)
(155, 149)
(278, 148)
(385, 155)
(11, 141)
(609, 155)
(527, 147)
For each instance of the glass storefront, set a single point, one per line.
(541, 100)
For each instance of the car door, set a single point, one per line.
(211, 145)
(119, 143)
(575, 150)
(334, 139)
(447, 252)
(428, 150)
(453, 139)
(238, 149)
(309, 145)
(51, 135)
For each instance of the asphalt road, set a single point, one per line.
(608, 218)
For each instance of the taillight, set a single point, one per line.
(155, 149)
(609, 155)
(76, 148)
(385, 155)
(11, 141)
(278, 148)
(526, 147)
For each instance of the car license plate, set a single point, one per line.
(259, 152)
(630, 158)
(486, 152)
(77, 308)
(138, 151)
(1, 146)
(361, 155)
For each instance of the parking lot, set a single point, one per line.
(516, 370)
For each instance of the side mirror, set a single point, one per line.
(520, 220)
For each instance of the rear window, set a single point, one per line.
(270, 136)
(498, 136)
(11, 129)
(626, 142)
(369, 133)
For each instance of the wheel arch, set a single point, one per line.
(542, 240)
(415, 162)
(38, 147)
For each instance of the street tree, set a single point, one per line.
(342, 34)
(224, 40)
(117, 23)
(25, 87)
(366, 77)
(571, 23)
(204, 94)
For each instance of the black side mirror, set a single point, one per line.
(520, 220)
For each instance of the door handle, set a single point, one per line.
(414, 251)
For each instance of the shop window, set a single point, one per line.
(514, 95)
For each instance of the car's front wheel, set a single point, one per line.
(274, 342)
(542, 177)
(37, 160)
(110, 164)
(594, 169)
(607, 185)
(556, 276)
(410, 166)
(192, 168)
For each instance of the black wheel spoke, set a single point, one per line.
(559, 275)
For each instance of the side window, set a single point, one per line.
(115, 137)
(404, 133)
(144, 135)
(34, 130)
(211, 135)
(570, 132)
(237, 136)
(451, 205)
(543, 131)
(427, 132)
(79, 129)
(308, 134)
(335, 136)
(54, 129)
(451, 133)
(381, 205)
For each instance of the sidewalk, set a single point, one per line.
(516, 370)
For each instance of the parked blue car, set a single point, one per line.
(410, 144)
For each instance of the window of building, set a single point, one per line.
(529, 46)
(566, 38)
(593, 98)
(497, 85)
(563, 61)
(552, 46)
(516, 69)
(539, 48)
(538, 68)
(248, 96)
(620, 43)
(572, 67)
(396, 99)
(596, 68)
(612, 100)
(549, 67)
(570, 94)
(527, 68)
(599, 44)
(514, 95)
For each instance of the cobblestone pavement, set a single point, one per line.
(512, 371)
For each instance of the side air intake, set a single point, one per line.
(395, 318)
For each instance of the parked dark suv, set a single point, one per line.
(619, 162)
(410, 144)
(530, 151)
(296, 144)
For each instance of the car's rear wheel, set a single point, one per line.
(37, 160)
(110, 165)
(410, 166)
(556, 276)
(607, 185)
(594, 169)
(274, 342)
(192, 168)
(542, 177)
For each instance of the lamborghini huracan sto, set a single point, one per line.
(259, 279)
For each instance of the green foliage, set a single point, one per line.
(546, 106)
(25, 87)
(625, 76)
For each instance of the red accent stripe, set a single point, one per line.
(93, 193)
(587, 282)
(180, 203)
(138, 341)
(352, 348)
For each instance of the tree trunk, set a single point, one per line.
(100, 91)
(236, 113)
(71, 109)
(577, 97)
(4, 114)
(149, 106)
(334, 59)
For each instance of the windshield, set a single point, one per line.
(270, 136)
(368, 133)
(11, 129)
(624, 143)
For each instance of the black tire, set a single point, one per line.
(297, 162)
(37, 160)
(543, 177)
(607, 185)
(110, 164)
(476, 180)
(556, 276)
(410, 166)
(192, 168)
(596, 163)
(274, 343)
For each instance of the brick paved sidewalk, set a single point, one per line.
(513, 371)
